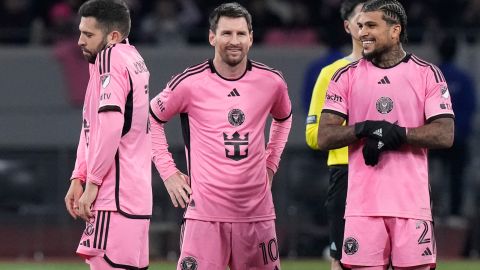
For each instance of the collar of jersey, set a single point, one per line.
(213, 70)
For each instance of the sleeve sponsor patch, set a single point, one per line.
(105, 78)
(311, 119)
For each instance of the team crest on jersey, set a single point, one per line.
(105, 79)
(384, 105)
(445, 92)
(189, 263)
(89, 228)
(350, 246)
(236, 117)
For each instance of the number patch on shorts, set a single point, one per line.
(269, 250)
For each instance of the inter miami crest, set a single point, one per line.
(89, 228)
(189, 263)
(350, 246)
(384, 105)
(236, 117)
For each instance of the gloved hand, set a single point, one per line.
(371, 151)
(392, 135)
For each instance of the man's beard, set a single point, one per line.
(92, 56)
(376, 54)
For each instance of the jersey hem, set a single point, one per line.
(231, 219)
(395, 215)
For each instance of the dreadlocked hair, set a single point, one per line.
(393, 13)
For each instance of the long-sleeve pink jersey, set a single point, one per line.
(224, 130)
(115, 143)
(411, 94)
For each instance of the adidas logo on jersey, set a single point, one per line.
(85, 243)
(234, 93)
(384, 80)
(427, 252)
(378, 132)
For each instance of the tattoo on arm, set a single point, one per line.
(331, 133)
(437, 134)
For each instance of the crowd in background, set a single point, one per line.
(276, 22)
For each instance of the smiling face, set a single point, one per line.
(377, 36)
(232, 40)
(92, 40)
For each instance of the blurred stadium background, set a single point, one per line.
(43, 81)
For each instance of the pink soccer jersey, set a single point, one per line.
(223, 126)
(411, 94)
(115, 144)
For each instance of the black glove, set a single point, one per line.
(371, 151)
(365, 128)
(392, 135)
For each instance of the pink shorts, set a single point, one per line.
(374, 241)
(121, 241)
(241, 246)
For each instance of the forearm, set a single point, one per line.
(438, 134)
(279, 132)
(335, 136)
(80, 170)
(161, 157)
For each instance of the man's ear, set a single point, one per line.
(396, 31)
(114, 37)
(211, 37)
(346, 26)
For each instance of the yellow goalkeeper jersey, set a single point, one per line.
(336, 156)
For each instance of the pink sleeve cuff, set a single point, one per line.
(272, 166)
(94, 179)
(78, 175)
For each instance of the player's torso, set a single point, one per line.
(227, 121)
(228, 117)
(397, 95)
(135, 76)
(394, 94)
(129, 177)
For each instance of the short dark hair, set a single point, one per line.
(231, 10)
(393, 13)
(110, 14)
(347, 7)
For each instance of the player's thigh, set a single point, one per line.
(366, 242)
(118, 240)
(205, 245)
(413, 242)
(254, 246)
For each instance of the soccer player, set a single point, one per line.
(337, 158)
(397, 107)
(113, 155)
(224, 104)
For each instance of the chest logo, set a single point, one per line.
(236, 117)
(384, 105)
(105, 80)
(236, 144)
